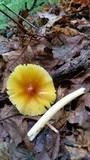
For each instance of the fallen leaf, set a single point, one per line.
(42, 155)
(52, 18)
(19, 152)
(3, 133)
(77, 153)
(4, 151)
(66, 30)
(87, 100)
(56, 148)
(82, 4)
(13, 123)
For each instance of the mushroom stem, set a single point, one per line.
(52, 111)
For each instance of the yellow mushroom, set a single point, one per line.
(31, 89)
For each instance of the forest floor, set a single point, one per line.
(59, 41)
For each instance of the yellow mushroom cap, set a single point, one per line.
(31, 89)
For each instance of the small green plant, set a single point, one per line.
(17, 6)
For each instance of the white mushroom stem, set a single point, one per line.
(52, 111)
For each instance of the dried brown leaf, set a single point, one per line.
(87, 100)
(66, 30)
(42, 155)
(13, 123)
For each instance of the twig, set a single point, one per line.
(20, 54)
(3, 119)
(52, 127)
(22, 28)
(19, 16)
(52, 111)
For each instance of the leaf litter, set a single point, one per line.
(61, 44)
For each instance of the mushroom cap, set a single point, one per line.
(31, 89)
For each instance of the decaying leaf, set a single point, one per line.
(78, 153)
(4, 151)
(61, 45)
(66, 30)
(18, 153)
(43, 155)
(81, 3)
(87, 102)
(52, 18)
(13, 123)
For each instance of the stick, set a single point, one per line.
(52, 111)
(20, 26)
(52, 127)
(19, 16)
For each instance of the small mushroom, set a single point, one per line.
(31, 89)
